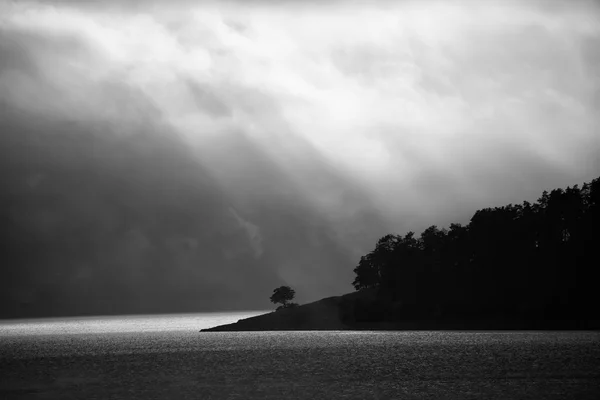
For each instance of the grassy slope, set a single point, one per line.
(327, 314)
(324, 314)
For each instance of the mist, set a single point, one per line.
(191, 157)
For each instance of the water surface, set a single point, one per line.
(167, 358)
(120, 323)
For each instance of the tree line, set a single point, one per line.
(528, 261)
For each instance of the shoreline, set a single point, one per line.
(337, 314)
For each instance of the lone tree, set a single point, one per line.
(283, 295)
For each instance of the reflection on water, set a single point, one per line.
(165, 357)
(127, 323)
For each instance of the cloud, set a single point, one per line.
(297, 133)
(252, 231)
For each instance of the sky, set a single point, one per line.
(189, 156)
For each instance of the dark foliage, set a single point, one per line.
(525, 261)
(283, 295)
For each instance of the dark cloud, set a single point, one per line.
(97, 222)
(207, 101)
(112, 212)
(12, 54)
(156, 159)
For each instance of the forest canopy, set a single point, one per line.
(528, 261)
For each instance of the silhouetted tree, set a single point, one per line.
(283, 295)
(528, 261)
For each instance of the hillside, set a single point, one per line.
(325, 314)
(519, 266)
(347, 312)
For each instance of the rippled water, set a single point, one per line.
(111, 358)
(129, 323)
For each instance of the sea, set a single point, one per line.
(166, 357)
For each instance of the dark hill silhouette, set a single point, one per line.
(526, 266)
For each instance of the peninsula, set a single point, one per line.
(523, 266)
(339, 313)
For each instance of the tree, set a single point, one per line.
(523, 261)
(373, 267)
(367, 275)
(283, 295)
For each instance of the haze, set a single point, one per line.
(160, 157)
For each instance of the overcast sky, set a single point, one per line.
(191, 156)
